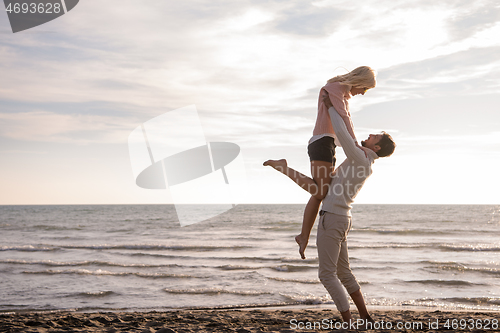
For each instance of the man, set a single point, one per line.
(335, 214)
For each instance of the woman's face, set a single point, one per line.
(358, 91)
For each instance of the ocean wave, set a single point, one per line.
(393, 246)
(200, 248)
(154, 255)
(103, 272)
(216, 291)
(28, 248)
(292, 268)
(46, 227)
(154, 247)
(445, 282)
(97, 294)
(195, 248)
(471, 248)
(308, 299)
(280, 268)
(80, 263)
(292, 227)
(397, 231)
(308, 281)
(313, 260)
(228, 267)
(408, 231)
(372, 268)
(475, 300)
(434, 262)
(235, 267)
(454, 303)
(452, 266)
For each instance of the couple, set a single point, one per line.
(337, 189)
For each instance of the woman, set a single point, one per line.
(321, 148)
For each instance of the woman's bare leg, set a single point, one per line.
(310, 214)
(317, 186)
(321, 172)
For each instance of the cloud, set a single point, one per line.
(477, 16)
(447, 67)
(169, 55)
(306, 19)
(43, 126)
(460, 115)
(473, 72)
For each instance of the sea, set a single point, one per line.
(138, 258)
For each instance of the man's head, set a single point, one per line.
(382, 144)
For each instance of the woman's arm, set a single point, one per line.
(328, 104)
(336, 98)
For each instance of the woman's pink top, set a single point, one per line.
(339, 95)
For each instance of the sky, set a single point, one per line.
(72, 90)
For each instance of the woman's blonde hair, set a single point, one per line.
(361, 77)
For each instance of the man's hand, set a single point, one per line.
(326, 99)
(360, 147)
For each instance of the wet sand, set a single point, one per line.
(247, 321)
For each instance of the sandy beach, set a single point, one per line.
(246, 321)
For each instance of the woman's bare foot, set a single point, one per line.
(302, 241)
(279, 165)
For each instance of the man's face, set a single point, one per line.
(372, 141)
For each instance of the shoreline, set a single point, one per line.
(273, 307)
(247, 320)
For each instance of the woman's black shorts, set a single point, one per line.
(322, 150)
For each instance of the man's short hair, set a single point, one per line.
(387, 145)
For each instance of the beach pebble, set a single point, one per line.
(165, 330)
(243, 330)
(153, 323)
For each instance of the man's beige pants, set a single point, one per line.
(333, 258)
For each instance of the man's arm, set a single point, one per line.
(347, 142)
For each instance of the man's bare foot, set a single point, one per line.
(279, 165)
(302, 245)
